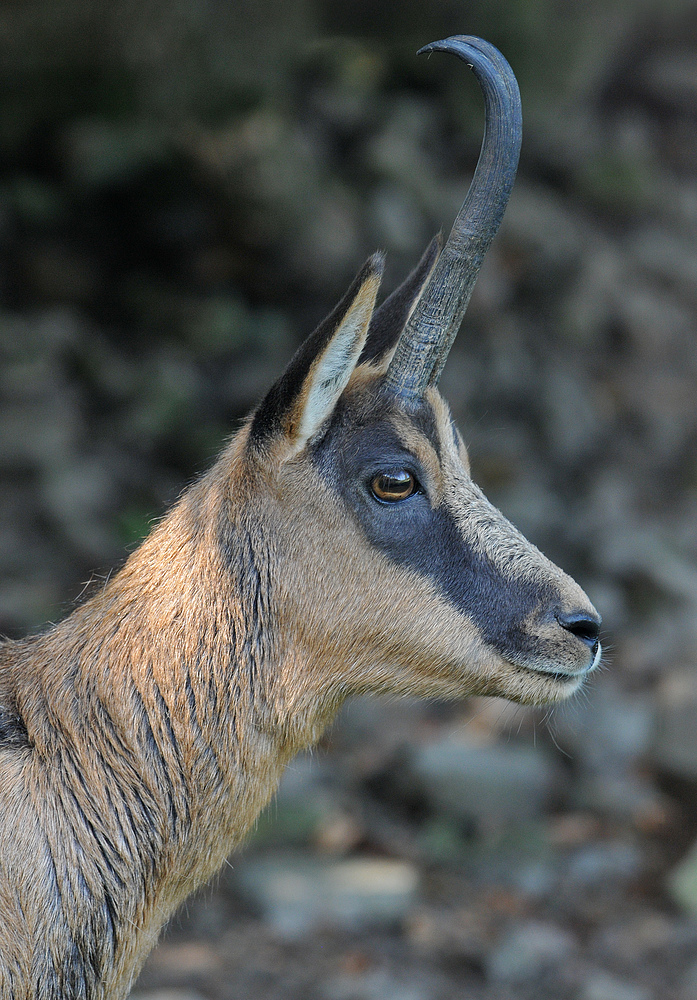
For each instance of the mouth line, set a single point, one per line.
(565, 676)
(557, 675)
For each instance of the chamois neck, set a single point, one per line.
(156, 717)
(170, 661)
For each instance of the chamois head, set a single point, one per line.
(339, 545)
(395, 572)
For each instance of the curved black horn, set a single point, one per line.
(433, 325)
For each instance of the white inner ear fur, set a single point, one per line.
(331, 370)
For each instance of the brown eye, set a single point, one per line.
(393, 486)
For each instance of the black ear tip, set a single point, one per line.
(374, 266)
(280, 399)
(372, 270)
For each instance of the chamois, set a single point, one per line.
(337, 546)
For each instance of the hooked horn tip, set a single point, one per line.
(433, 324)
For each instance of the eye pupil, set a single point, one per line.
(393, 486)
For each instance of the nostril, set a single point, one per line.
(582, 626)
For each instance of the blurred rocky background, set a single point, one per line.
(186, 188)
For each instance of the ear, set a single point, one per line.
(305, 395)
(390, 318)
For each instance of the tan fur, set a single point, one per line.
(159, 716)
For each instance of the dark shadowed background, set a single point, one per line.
(186, 188)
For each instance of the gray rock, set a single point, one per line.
(528, 952)
(643, 939)
(373, 985)
(297, 894)
(602, 986)
(491, 785)
(627, 797)
(604, 863)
